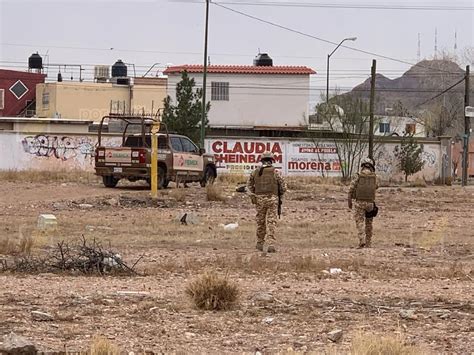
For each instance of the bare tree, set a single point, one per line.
(348, 118)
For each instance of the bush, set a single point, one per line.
(103, 346)
(212, 292)
(23, 246)
(214, 193)
(368, 344)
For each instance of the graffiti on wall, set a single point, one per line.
(62, 148)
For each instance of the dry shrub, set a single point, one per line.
(214, 193)
(369, 344)
(7, 246)
(232, 179)
(178, 194)
(25, 244)
(212, 292)
(62, 175)
(103, 346)
(10, 247)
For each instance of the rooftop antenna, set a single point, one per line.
(436, 43)
(418, 53)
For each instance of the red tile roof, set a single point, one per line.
(241, 69)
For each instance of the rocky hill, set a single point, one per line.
(420, 83)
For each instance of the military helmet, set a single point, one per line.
(368, 162)
(267, 156)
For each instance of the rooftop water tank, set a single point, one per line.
(119, 69)
(263, 60)
(35, 61)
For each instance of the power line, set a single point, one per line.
(347, 6)
(319, 38)
(441, 93)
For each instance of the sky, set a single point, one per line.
(145, 32)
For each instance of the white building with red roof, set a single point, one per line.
(259, 96)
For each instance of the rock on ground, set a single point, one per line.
(14, 344)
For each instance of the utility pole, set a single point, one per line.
(204, 77)
(372, 102)
(467, 131)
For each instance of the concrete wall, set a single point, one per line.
(303, 157)
(255, 100)
(49, 151)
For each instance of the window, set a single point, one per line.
(384, 127)
(176, 144)
(45, 100)
(219, 91)
(410, 128)
(18, 89)
(188, 146)
(2, 99)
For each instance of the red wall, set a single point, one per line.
(12, 105)
(456, 154)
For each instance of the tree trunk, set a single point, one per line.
(406, 177)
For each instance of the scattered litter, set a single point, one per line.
(229, 227)
(133, 293)
(187, 218)
(335, 335)
(41, 316)
(242, 188)
(408, 314)
(268, 320)
(335, 270)
(85, 206)
(47, 221)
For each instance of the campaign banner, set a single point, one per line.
(312, 158)
(242, 156)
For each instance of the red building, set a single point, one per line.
(18, 92)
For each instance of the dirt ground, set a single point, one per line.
(421, 260)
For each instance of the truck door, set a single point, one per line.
(186, 157)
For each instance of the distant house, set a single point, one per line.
(383, 125)
(251, 96)
(90, 101)
(18, 92)
(399, 126)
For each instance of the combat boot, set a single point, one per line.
(368, 242)
(271, 249)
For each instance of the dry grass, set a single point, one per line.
(48, 176)
(305, 182)
(10, 247)
(232, 179)
(368, 344)
(178, 194)
(103, 346)
(212, 292)
(214, 193)
(418, 182)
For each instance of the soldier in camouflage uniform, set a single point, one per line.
(362, 189)
(263, 186)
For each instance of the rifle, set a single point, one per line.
(280, 202)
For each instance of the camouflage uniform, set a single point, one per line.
(266, 202)
(364, 204)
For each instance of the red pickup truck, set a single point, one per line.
(179, 159)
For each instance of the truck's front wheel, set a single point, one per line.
(110, 181)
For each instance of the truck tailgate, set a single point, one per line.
(122, 156)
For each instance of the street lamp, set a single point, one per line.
(327, 67)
